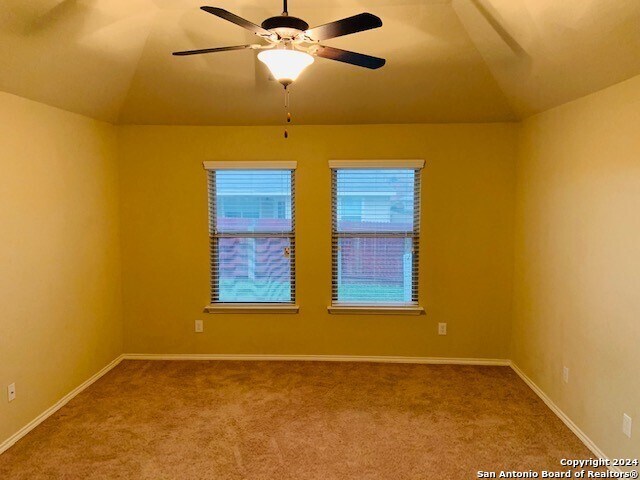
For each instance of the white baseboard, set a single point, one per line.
(321, 358)
(563, 416)
(9, 442)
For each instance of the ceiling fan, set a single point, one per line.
(291, 45)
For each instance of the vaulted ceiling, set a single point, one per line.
(447, 60)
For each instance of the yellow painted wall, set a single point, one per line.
(577, 281)
(466, 248)
(573, 299)
(60, 298)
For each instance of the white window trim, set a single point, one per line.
(250, 165)
(339, 309)
(373, 309)
(275, 308)
(375, 164)
(251, 308)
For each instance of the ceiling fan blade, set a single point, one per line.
(211, 50)
(359, 59)
(230, 17)
(346, 26)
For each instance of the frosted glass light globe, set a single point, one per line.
(285, 65)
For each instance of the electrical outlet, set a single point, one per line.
(565, 374)
(626, 425)
(442, 329)
(199, 326)
(11, 392)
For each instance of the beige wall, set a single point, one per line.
(466, 249)
(577, 281)
(59, 257)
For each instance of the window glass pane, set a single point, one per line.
(254, 270)
(375, 200)
(253, 201)
(375, 270)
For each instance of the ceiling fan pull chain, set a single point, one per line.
(286, 108)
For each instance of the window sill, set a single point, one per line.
(251, 308)
(374, 310)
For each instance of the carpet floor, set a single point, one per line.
(295, 421)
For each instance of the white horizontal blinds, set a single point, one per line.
(376, 227)
(252, 225)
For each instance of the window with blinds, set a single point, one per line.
(252, 233)
(375, 233)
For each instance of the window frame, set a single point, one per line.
(393, 308)
(215, 306)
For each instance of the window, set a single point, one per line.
(375, 234)
(252, 234)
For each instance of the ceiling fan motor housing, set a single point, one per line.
(285, 26)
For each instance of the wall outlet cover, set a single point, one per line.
(442, 329)
(199, 326)
(626, 425)
(565, 374)
(11, 392)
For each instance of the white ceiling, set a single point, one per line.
(447, 60)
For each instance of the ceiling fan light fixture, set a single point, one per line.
(285, 65)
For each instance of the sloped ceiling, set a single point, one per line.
(447, 60)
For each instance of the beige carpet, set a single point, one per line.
(295, 421)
